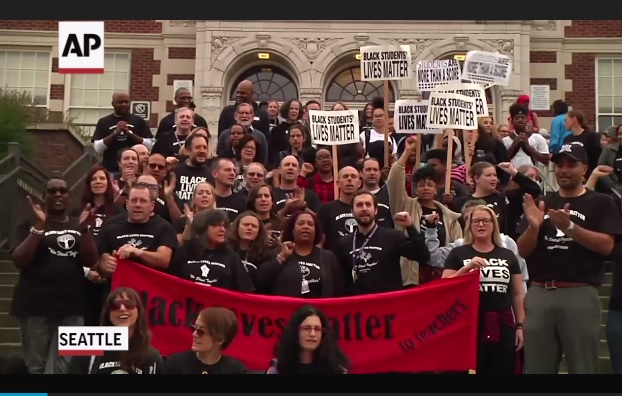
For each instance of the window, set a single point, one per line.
(27, 71)
(270, 83)
(348, 87)
(608, 93)
(91, 94)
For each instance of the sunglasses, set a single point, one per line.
(156, 166)
(255, 174)
(308, 328)
(200, 332)
(55, 190)
(117, 304)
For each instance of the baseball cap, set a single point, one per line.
(572, 150)
(523, 99)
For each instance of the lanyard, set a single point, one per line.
(356, 253)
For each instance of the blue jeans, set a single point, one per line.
(614, 340)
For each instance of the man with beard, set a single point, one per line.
(244, 94)
(566, 239)
(370, 174)
(244, 115)
(524, 146)
(183, 98)
(119, 130)
(288, 197)
(51, 256)
(370, 257)
(169, 143)
(336, 217)
(196, 169)
(224, 174)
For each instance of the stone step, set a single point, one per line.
(11, 349)
(604, 365)
(605, 290)
(5, 304)
(7, 320)
(608, 278)
(6, 291)
(7, 266)
(9, 278)
(603, 317)
(604, 302)
(11, 335)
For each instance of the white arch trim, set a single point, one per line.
(239, 71)
(330, 77)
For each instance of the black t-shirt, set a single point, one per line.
(591, 143)
(53, 284)
(558, 257)
(188, 363)
(337, 221)
(496, 201)
(110, 363)
(106, 125)
(280, 197)
(440, 227)
(495, 280)
(232, 205)
(219, 268)
(188, 177)
(384, 217)
(149, 236)
(252, 263)
(169, 144)
(99, 218)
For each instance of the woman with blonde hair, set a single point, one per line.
(501, 310)
(203, 198)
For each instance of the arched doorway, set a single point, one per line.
(346, 86)
(489, 91)
(270, 83)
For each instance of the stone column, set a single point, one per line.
(211, 106)
(508, 98)
(307, 94)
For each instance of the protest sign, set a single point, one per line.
(378, 332)
(474, 91)
(487, 67)
(334, 127)
(448, 110)
(431, 74)
(379, 63)
(411, 117)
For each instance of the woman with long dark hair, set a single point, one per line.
(123, 308)
(248, 237)
(581, 133)
(291, 113)
(98, 196)
(261, 201)
(207, 259)
(488, 142)
(308, 346)
(301, 269)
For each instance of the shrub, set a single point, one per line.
(16, 113)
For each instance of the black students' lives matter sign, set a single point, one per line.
(379, 63)
(451, 111)
(332, 128)
(434, 73)
(474, 91)
(487, 68)
(411, 116)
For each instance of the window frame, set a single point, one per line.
(612, 115)
(252, 69)
(355, 105)
(49, 70)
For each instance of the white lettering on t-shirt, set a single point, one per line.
(186, 186)
(495, 277)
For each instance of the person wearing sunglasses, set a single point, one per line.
(308, 345)
(51, 254)
(253, 175)
(212, 333)
(123, 307)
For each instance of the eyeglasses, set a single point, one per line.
(481, 221)
(55, 190)
(156, 166)
(308, 328)
(149, 186)
(200, 332)
(255, 174)
(117, 304)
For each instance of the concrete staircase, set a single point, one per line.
(10, 336)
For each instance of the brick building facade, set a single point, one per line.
(581, 61)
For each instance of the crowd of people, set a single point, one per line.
(263, 212)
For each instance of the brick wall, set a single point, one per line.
(594, 28)
(144, 67)
(181, 53)
(543, 57)
(170, 78)
(127, 26)
(583, 94)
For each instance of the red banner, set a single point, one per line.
(428, 328)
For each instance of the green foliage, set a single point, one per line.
(16, 113)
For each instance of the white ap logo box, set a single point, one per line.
(81, 47)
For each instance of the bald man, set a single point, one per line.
(244, 94)
(336, 216)
(183, 98)
(119, 130)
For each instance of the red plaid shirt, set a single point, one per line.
(324, 190)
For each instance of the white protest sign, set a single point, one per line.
(431, 74)
(487, 67)
(379, 63)
(334, 127)
(454, 111)
(411, 117)
(540, 97)
(474, 91)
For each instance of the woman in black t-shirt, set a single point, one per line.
(213, 331)
(123, 308)
(501, 311)
(308, 346)
(248, 237)
(261, 201)
(301, 269)
(203, 198)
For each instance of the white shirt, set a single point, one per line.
(375, 136)
(537, 141)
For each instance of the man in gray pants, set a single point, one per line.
(566, 240)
